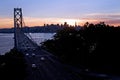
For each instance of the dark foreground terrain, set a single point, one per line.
(12, 66)
(95, 47)
(92, 49)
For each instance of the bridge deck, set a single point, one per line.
(41, 64)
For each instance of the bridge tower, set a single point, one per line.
(18, 22)
(18, 18)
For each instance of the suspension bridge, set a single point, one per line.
(41, 65)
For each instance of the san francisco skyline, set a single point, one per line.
(40, 12)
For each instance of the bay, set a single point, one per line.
(7, 41)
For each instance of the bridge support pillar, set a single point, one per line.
(18, 23)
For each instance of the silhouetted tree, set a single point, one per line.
(95, 47)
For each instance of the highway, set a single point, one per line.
(46, 67)
(41, 65)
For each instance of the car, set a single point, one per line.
(33, 49)
(34, 66)
(33, 54)
(42, 58)
(27, 54)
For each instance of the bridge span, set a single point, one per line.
(41, 65)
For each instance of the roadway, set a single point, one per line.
(46, 67)
(41, 65)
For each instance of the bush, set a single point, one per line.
(95, 47)
(12, 66)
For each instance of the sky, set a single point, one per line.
(40, 12)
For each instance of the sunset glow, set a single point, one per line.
(29, 21)
(71, 22)
(40, 12)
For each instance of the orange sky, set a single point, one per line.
(29, 21)
(39, 12)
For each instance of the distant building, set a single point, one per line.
(65, 24)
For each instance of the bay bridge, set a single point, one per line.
(41, 65)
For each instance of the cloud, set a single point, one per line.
(115, 22)
(103, 16)
(109, 18)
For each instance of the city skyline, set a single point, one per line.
(40, 12)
